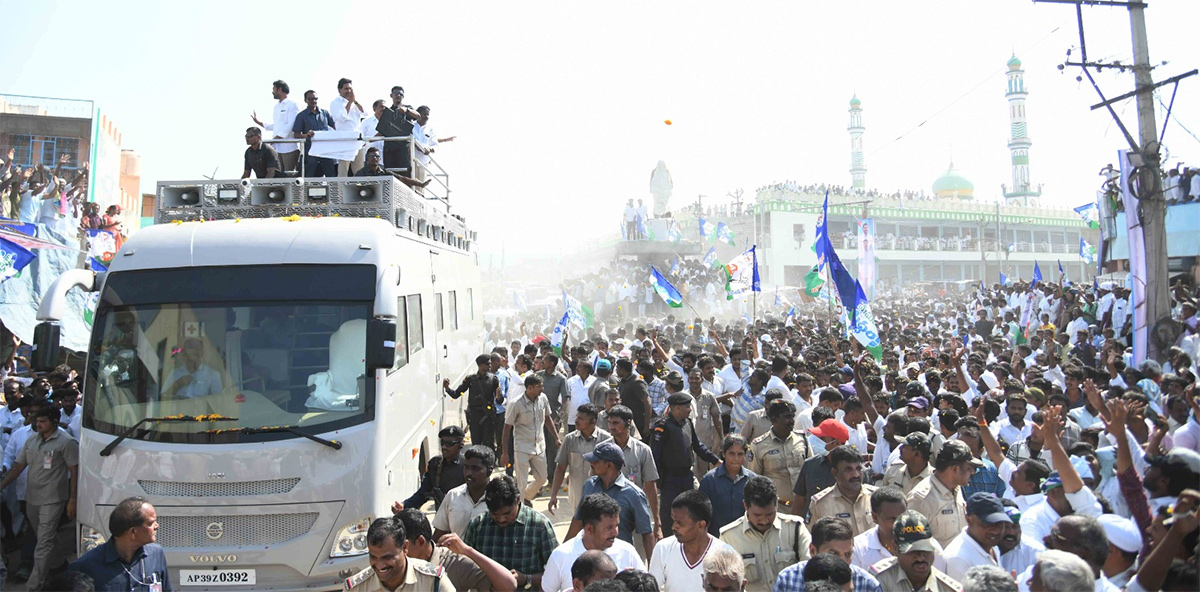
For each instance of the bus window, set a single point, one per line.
(416, 331)
(441, 319)
(453, 310)
(401, 335)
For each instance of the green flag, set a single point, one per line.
(813, 283)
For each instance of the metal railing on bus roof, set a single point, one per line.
(441, 176)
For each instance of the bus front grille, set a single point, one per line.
(218, 488)
(233, 531)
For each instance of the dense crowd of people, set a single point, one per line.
(1005, 440)
(53, 197)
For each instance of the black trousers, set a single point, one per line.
(670, 486)
(480, 423)
(317, 166)
(397, 155)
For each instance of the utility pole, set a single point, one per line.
(1152, 210)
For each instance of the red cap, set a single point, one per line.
(832, 428)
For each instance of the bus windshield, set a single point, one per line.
(267, 364)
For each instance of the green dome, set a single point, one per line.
(1014, 63)
(952, 184)
(854, 102)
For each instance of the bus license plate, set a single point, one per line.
(217, 577)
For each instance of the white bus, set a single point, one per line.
(271, 381)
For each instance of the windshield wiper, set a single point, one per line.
(167, 419)
(334, 444)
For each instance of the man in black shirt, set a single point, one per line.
(397, 155)
(372, 168)
(481, 389)
(444, 472)
(260, 158)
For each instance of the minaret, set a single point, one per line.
(858, 169)
(1018, 142)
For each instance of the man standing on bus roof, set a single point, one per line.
(444, 472)
(481, 390)
(131, 557)
(391, 567)
(314, 119)
(524, 420)
(281, 125)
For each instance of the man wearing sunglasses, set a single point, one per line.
(444, 472)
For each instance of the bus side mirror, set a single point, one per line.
(381, 344)
(46, 337)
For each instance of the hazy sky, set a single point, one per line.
(559, 106)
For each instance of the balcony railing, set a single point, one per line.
(953, 244)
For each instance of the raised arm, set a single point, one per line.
(500, 577)
(1051, 425)
(861, 388)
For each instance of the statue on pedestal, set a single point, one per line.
(660, 188)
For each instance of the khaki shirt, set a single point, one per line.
(527, 419)
(766, 554)
(830, 503)
(48, 464)
(420, 576)
(945, 509)
(463, 572)
(897, 475)
(756, 425)
(780, 461)
(893, 579)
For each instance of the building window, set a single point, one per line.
(29, 150)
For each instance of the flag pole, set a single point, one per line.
(754, 293)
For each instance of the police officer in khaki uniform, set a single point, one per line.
(939, 496)
(780, 453)
(848, 499)
(392, 570)
(914, 466)
(767, 540)
(912, 570)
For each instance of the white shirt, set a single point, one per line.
(1188, 436)
(630, 213)
(367, 129)
(48, 210)
(964, 552)
(284, 117)
(205, 381)
(72, 419)
(1022, 556)
(10, 419)
(457, 510)
(557, 575)
(579, 395)
(14, 446)
(345, 120)
(423, 135)
(1037, 522)
(670, 568)
(1011, 433)
(868, 550)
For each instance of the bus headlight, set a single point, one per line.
(89, 538)
(351, 540)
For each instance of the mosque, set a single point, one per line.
(944, 236)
